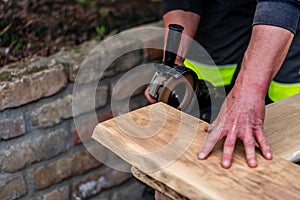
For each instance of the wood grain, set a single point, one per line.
(164, 143)
(282, 128)
(164, 191)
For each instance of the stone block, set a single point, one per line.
(132, 189)
(58, 110)
(84, 131)
(152, 38)
(132, 83)
(12, 126)
(12, 187)
(88, 99)
(127, 61)
(27, 88)
(102, 180)
(52, 113)
(61, 193)
(72, 58)
(58, 170)
(34, 149)
(101, 62)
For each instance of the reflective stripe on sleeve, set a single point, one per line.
(220, 75)
(278, 91)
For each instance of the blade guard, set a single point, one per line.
(166, 79)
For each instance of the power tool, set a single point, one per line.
(174, 85)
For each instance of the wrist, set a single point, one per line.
(179, 61)
(250, 86)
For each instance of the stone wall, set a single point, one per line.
(41, 154)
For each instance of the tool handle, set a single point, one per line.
(172, 45)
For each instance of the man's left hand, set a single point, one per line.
(241, 117)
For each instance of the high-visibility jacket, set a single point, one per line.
(224, 32)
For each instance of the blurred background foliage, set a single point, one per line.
(42, 27)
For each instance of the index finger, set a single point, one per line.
(211, 139)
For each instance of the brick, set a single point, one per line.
(133, 83)
(58, 110)
(58, 170)
(132, 189)
(84, 131)
(93, 184)
(12, 187)
(102, 61)
(12, 126)
(32, 87)
(82, 99)
(151, 37)
(52, 113)
(127, 61)
(34, 149)
(61, 193)
(73, 57)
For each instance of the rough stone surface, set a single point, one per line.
(52, 113)
(12, 187)
(84, 131)
(132, 83)
(12, 126)
(133, 190)
(102, 61)
(152, 38)
(57, 111)
(32, 87)
(34, 149)
(82, 99)
(127, 61)
(40, 154)
(73, 57)
(61, 193)
(104, 179)
(58, 170)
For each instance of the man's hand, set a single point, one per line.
(190, 28)
(147, 95)
(241, 117)
(242, 114)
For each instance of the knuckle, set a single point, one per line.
(263, 141)
(248, 142)
(230, 142)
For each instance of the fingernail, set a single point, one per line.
(201, 155)
(226, 163)
(252, 163)
(269, 155)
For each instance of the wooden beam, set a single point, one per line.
(163, 143)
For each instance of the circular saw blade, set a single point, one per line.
(178, 92)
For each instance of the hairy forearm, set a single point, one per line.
(263, 58)
(190, 28)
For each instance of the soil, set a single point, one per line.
(42, 27)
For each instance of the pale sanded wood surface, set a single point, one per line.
(179, 169)
(282, 128)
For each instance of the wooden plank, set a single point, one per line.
(282, 128)
(277, 115)
(158, 186)
(154, 147)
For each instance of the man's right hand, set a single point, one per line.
(147, 95)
